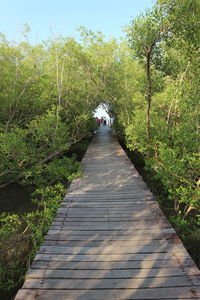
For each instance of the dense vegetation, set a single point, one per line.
(164, 126)
(49, 91)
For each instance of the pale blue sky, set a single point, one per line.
(64, 16)
(101, 112)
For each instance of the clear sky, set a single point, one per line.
(101, 112)
(64, 16)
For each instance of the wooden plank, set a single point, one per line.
(113, 232)
(112, 274)
(103, 208)
(145, 239)
(97, 197)
(102, 218)
(96, 243)
(116, 265)
(171, 293)
(96, 204)
(98, 191)
(104, 215)
(108, 182)
(138, 283)
(124, 210)
(111, 193)
(108, 210)
(181, 256)
(83, 206)
(113, 250)
(95, 223)
(110, 189)
(111, 201)
(104, 226)
(114, 187)
(127, 225)
(89, 218)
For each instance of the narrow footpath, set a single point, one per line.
(109, 239)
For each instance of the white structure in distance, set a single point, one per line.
(100, 113)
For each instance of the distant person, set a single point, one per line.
(104, 122)
(97, 120)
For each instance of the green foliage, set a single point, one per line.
(9, 223)
(167, 31)
(13, 251)
(147, 30)
(170, 33)
(20, 236)
(48, 94)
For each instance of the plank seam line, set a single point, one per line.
(111, 278)
(111, 289)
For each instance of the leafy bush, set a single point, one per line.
(20, 236)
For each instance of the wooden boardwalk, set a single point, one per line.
(110, 240)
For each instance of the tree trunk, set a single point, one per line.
(148, 74)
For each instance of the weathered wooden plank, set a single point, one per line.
(102, 211)
(116, 265)
(181, 256)
(109, 199)
(105, 209)
(107, 182)
(135, 209)
(109, 189)
(102, 218)
(115, 211)
(175, 293)
(114, 187)
(127, 218)
(111, 237)
(96, 204)
(104, 215)
(112, 273)
(102, 208)
(97, 197)
(113, 250)
(145, 239)
(85, 222)
(116, 192)
(104, 226)
(138, 283)
(104, 201)
(96, 243)
(111, 202)
(113, 232)
(109, 224)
